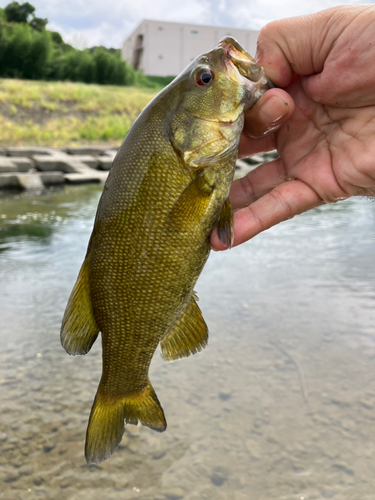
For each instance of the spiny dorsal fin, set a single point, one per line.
(225, 224)
(189, 335)
(79, 329)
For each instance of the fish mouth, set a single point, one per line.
(241, 67)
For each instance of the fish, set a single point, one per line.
(167, 189)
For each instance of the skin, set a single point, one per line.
(321, 120)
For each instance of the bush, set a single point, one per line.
(28, 50)
(109, 69)
(24, 52)
(72, 65)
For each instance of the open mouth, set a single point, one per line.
(234, 49)
(239, 63)
(237, 55)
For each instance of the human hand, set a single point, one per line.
(327, 147)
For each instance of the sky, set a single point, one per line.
(85, 23)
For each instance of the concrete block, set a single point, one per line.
(242, 164)
(54, 166)
(31, 182)
(22, 163)
(110, 152)
(242, 167)
(86, 150)
(9, 181)
(102, 176)
(60, 163)
(64, 163)
(88, 160)
(52, 178)
(271, 155)
(105, 162)
(28, 152)
(48, 163)
(255, 160)
(76, 167)
(86, 175)
(6, 165)
(81, 178)
(15, 164)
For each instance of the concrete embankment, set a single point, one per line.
(35, 168)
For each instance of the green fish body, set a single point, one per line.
(167, 189)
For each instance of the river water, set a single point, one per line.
(280, 405)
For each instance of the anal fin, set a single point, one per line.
(189, 335)
(79, 329)
(225, 224)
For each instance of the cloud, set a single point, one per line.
(109, 22)
(98, 22)
(254, 15)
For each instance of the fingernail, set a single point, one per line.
(273, 110)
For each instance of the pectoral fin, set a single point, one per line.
(225, 224)
(191, 205)
(79, 329)
(188, 335)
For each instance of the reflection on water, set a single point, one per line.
(280, 405)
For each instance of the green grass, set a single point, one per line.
(67, 114)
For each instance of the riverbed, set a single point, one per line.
(279, 406)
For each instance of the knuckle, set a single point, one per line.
(247, 188)
(284, 204)
(255, 218)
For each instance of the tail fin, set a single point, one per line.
(106, 423)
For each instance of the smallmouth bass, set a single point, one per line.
(166, 190)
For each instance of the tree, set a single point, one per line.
(16, 13)
(24, 52)
(24, 13)
(38, 24)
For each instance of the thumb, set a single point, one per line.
(301, 44)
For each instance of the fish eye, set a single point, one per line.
(204, 77)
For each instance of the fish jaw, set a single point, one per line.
(243, 70)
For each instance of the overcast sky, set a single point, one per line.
(85, 23)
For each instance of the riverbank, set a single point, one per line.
(60, 114)
(37, 168)
(78, 129)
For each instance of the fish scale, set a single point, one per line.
(167, 188)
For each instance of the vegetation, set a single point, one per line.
(40, 103)
(59, 114)
(28, 50)
(16, 13)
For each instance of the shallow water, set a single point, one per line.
(280, 405)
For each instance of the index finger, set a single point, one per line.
(257, 183)
(283, 202)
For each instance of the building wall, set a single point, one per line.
(167, 48)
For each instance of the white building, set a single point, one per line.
(161, 48)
